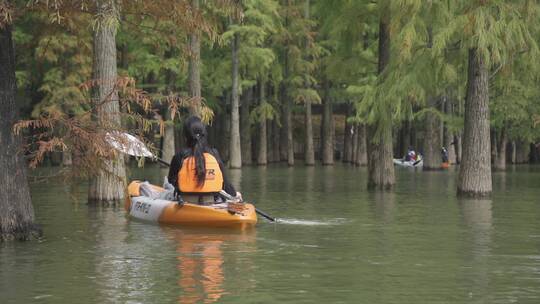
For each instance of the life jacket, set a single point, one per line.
(187, 177)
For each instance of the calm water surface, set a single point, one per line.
(335, 243)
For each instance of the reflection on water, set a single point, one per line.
(477, 215)
(336, 243)
(200, 261)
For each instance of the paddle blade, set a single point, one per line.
(128, 144)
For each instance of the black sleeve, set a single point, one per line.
(227, 186)
(176, 165)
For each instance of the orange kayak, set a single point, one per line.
(170, 212)
(445, 165)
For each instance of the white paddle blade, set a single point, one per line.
(129, 144)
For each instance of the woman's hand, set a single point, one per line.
(239, 197)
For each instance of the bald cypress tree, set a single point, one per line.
(380, 164)
(487, 49)
(16, 210)
(109, 183)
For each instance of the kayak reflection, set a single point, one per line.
(200, 255)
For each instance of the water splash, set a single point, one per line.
(293, 221)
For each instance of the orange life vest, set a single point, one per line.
(187, 177)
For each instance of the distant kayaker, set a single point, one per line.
(411, 155)
(197, 172)
(444, 155)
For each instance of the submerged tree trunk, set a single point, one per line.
(475, 170)
(493, 145)
(262, 153)
(513, 155)
(328, 128)
(247, 158)
(194, 67)
(523, 150)
(262, 156)
(269, 137)
(459, 147)
(235, 148)
(361, 153)
(500, 160)
(380, 152)
(16, 210)
(432, 140)
(109, 184)
(309, 149)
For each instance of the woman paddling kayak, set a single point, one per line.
(197, 172)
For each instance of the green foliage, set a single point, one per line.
(264, 111)
(330, 51)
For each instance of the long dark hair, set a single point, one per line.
(195, 134)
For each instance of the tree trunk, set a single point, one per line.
(169, 145)
(459, 147)
(283, 135)
(235, 148)
(194, 67)
(500, 160)
(328, 127)
(380, 157)
(513, 157)
(288, 108)
(308, 149)
(475, 170)
(432, 130)
(493, 145)
(262, 155)
(354, 144)
(269, 137)
(432, 140)
(275, 141)
(523, 150)
(361, 153)
(348, 136)
(289, 126)
(168, 137)
(225, 136)
(247, 158)
(448, 135)
(110, 182)
(16, 210)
